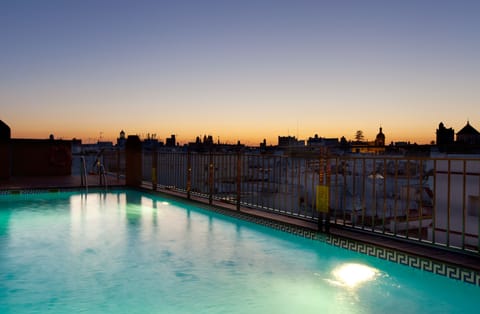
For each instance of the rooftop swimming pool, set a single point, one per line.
(129, 252)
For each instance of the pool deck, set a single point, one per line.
(56, 182)
(410, 247)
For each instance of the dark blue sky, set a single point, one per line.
(239, 69)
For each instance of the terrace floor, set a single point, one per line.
(410, 247)
(55, 182)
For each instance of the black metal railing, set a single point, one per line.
(430, 200)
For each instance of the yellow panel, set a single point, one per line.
(322, 198)
(154, 175)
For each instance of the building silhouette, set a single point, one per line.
(380, 139)
(5, 132)
(445, 137)
(467, 140)
(317, 141)
(290, 141)
(375, 147)
(468, 135)
(171, 141)
(121, 140)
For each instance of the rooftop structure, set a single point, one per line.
(468, 135)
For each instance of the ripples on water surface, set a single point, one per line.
(124, 252)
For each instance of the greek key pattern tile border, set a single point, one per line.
(422, 263)
(295, 230)
(49, 190)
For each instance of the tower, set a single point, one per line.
(380, 139)
(121, 140)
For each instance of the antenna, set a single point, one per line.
(297, 129)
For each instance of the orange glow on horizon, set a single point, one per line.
(249, 138)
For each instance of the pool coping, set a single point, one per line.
(444, 263)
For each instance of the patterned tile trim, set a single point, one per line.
(51, 190)
(31, 191)
(422, 263)
(436, 267)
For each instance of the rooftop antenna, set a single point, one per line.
(297, 129)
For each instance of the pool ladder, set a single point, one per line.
(102, 174)
(83, 173)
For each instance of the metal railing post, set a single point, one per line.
(118, 164)
(154, 169)
(189, 174)
(210, 179)
(449, 200)
(239, 179)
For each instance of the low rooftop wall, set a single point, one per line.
(30, 157)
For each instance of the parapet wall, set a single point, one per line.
(31, 157)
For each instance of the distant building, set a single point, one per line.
(121, 140)
(445, 136)
(468, 135)
(5, 133)
(373, 147)
(104, 144)
(290, 141)
(208, 145)
(5, 154)
(263, 145)
(317, 141)
(171, 141)
(151, 143)
(380, 139)
(208, 140)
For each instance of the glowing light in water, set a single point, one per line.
(352, 274)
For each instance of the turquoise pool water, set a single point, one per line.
(128, 252)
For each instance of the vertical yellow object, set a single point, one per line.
(322, 198)
(154, 175)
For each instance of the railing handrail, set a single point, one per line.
(398, 196)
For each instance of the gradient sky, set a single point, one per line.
(239, 70)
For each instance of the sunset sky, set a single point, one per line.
(239, 70)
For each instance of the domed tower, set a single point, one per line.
(380, 139)
(4, 131)
(5, 150)
(121, 140)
